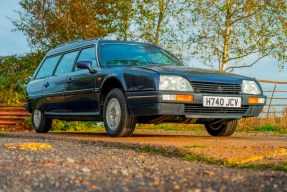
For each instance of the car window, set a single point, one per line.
(48, 67)
(160, 58)
(128, 54)
(88, 54)
(66, 64)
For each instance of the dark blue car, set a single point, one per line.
(124, 83)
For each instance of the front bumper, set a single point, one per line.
(151, 103)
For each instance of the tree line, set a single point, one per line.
(221, 33)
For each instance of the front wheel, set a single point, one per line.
(222, 129)
(117, 118)
(41, 123)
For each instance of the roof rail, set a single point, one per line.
(76, 41)
(68, 43)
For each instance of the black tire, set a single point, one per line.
(222, 129)
(43, 124)
(126, 123)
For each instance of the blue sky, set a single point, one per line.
(15, 43)
(10, 42)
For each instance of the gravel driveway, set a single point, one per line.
(73, 166)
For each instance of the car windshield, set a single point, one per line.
(135, 55)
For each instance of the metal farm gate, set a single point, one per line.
(11, 114)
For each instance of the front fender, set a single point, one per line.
(141, 80)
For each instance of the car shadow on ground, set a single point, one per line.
(144, 135)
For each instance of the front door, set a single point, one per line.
(80, 93)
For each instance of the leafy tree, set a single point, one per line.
(124, 19)
(49, 23)
(158, 21)
(227, 32)
(14, 74)
(162, 22)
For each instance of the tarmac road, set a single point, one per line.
(93, 162)
(235, 149)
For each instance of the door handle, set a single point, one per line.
(46, 84)
(69, 80)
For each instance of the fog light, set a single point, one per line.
(178, 97)
(256, 100)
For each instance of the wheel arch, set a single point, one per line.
(35, 104)
(109, 84)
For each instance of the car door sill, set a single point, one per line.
(72, 113)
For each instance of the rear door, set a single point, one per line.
(35, 87)
(54, 87)
(80, 91)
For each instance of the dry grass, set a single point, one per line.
(172, 127)
(277, 124)
(274, 124)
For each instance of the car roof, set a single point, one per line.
(77, 44)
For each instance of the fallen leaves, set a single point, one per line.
(28, 146)
(277, 153)
(240, 155)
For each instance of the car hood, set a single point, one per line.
(197, 74)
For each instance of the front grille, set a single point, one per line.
(188, 108)
(221, 88)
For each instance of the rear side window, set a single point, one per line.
(66, 64)
(88, 54)
(48, 67)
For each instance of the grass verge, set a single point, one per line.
(194, 146)
(175, 152)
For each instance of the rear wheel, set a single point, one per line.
(117, 118)
(222, 129)
(41, 123)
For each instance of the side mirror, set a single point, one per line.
(86, 65)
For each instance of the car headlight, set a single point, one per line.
(174, 83)
(250, 87)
